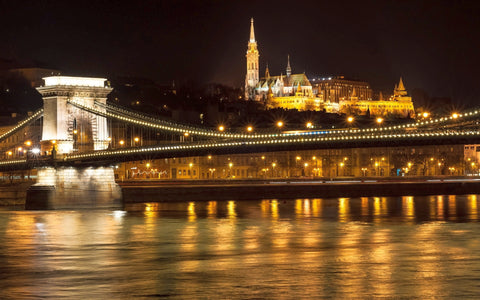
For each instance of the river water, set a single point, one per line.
(397, 247)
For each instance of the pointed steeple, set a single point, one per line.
(252, 32)
(400, 89)
(289, 70)
(400, 86)
(267, 73)
(251, 78)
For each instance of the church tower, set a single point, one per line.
(252, 78)
(289, 70)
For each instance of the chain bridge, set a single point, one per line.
(76, 137)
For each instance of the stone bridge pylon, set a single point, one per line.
(70, 128)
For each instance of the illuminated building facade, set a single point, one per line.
(332, 94)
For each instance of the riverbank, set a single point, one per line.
(145, 191)
(14, 194)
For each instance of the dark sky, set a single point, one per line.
(433, 45)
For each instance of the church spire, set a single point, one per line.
(251, 78)
(401, 87)
(252, 32)
(289, 70)
(267, 73)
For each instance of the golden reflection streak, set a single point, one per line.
(384, 206)
(364, 206)
(274, 209)
(264, 206)
(192, 216)
(317, 207)
(408, 208)
(472, 207)
(306, 208)
(376, 210)
(232, 214)
(428, 257)
(440, 211)
(452, 207)
(350, 254)
(343, 209)
(432, 207)
(382, 257)
(298, 207)
(251, 238)
(212, 209)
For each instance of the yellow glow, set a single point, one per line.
(211, 209)
(263, 157)
(342, 164)
(425, 114)
(20, 149)
(230, 165)
(54, 141)
(279, 124)
(122, 142)
(190, 165)
(75, 131)
(274, 209)
(298, 158)
(191, 212)
(343, 209)
(306, 164)
(314, 157)
(350, 119)
(186, 134)
(209, 157)
(379, 120)
(221, 128)
(274, 165)
(454, 115)
(148, 165)
(28, 143)
(231, 210)
(309, 125)
(136, 139)
(9, 153)
(74, 81)
(249, 128)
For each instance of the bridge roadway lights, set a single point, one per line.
(69, 188)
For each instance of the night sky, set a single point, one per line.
(433, 45)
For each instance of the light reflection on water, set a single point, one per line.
(412, 247)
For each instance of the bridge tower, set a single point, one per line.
(73, 129)
(66, 129)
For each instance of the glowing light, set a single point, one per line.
(425, 115)
(74, 81)
(221, 128)
(148, 165)
(75, 131)
(121, 142)
(186, 134)
(309, 125)
(35, 151)
(136, 139)
(28, 143)
(379, 120)
(249, 128)
(454, 115)
(279, 124)
(350, 119)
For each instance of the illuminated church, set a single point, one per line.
(332, 94)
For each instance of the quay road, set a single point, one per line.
(135, 191)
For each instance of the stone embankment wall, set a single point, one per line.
(13, 194)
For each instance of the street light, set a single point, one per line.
(379, 120)
(121, 142)
(249, 128)
(279, 124)
(221, 128)
(454, 115)
(425, 114)
(350, 120)
(136, 139)
(309, 125)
